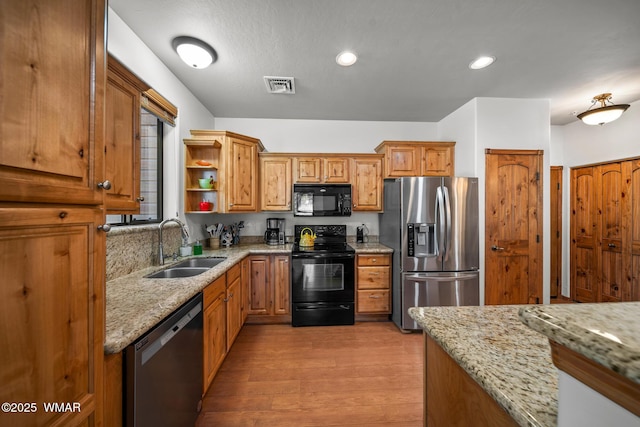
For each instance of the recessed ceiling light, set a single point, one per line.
(482, 62)
(346, 58)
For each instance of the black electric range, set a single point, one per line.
(323, 278)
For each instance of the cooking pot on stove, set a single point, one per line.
(308, 238)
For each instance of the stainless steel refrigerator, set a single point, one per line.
(432, 225)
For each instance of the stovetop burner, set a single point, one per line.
(329, 239)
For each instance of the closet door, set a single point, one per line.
(583, 235)
(634, 218)
(610, 201)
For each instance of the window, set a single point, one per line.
(151, 137)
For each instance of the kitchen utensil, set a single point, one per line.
(307, 240)
(206, 206)
(206, 183)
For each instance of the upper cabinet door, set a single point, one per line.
(52, 134)
(122, 138)
(242, 175)
(336, 170)
(275, 183)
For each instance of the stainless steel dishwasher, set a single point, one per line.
(164, 371)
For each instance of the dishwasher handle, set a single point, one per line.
(151, 349)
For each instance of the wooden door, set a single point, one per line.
(634, 230)
(437, 160)
(214, 329)
(281, 284)
(234, 313)
(52, 312)
(53, 72)
(122, 139)
(513, 215)
(367, 184)
(242, 179)
(402, 160)
(583, 235)
(275, 183)
(555, 207)
(611, 186)
(260, 289)
(307, 169)
(336, 170)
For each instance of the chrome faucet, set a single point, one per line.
(183, 230)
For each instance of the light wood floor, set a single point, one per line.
(368, 374)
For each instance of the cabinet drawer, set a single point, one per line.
(212, 291)
(377, 259)
(233, 273)
(373, 302)
(373, 277)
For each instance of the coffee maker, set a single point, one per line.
(275, 231)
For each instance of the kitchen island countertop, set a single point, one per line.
(509, 360)
(134, 304)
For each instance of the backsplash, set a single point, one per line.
(134, 248)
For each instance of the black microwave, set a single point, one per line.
(321, 199)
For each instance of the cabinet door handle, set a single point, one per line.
(497, 248)
(140, 199)
(104, 227)
(105, 185)
(612, 245)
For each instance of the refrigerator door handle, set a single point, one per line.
(447, 208)
(458, 276)
(440, 222)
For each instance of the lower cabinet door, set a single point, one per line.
(51, 314)
(214, 332)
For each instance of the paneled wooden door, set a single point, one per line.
(513, 221)
(555, 206)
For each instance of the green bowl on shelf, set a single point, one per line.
(206, 183)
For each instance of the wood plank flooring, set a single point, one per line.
(368, 374)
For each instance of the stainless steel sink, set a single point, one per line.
(176, 272)
(199, 262)
(187, 268)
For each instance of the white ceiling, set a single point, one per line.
(413, 54)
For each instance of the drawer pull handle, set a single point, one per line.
(497, 248)
(374, 296)
(612, 245)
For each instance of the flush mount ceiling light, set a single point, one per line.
(195, 53)
(346, 58)
(603, 114)
(482, 62)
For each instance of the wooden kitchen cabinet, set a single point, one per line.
(202, 160)
(317, 169)
(245, 283)
(605, 232)
(417, 158)
(367, 183)
(234, 304)
(52, 305)
(214, 329)
(122, 138)
(373, 283)
(53, 57)
(270, 287)
(237, 172)
(52, 137)
(275, 182)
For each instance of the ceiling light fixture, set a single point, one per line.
(194, 52)
(603, 114)
(346, 58)
(482, 62)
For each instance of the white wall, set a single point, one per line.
(326, 136)
(461, 127)
(125, 46)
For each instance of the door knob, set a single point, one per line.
(106, 185)
(105, 228)
(497, 248)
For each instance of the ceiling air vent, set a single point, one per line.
(280, 85)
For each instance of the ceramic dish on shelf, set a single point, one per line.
(203, 163)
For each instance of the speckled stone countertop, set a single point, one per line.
(508, 359)
(607, 333)
(134, 304)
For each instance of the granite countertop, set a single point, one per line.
(508, 359)
(134, 304)
(607, 333)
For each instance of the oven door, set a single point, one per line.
(322, 278)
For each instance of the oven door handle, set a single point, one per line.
(316, 256)
(323, 307)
